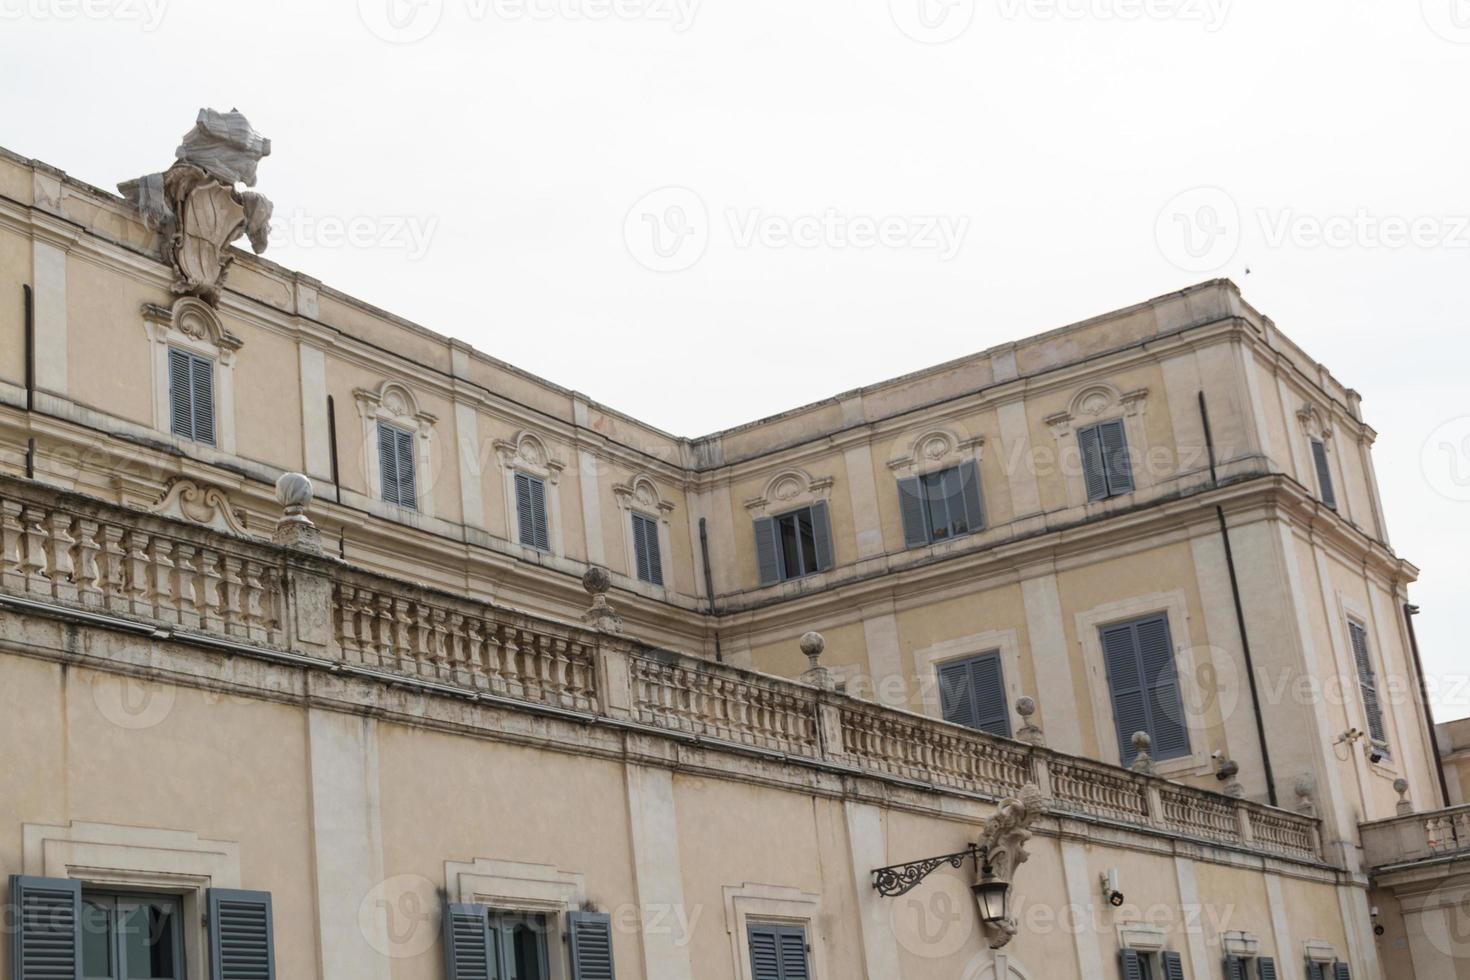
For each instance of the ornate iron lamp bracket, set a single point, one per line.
(898, 879)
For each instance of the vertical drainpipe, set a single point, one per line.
(30, 367)
(1245, 643)
(1410, 611)
(709, 582)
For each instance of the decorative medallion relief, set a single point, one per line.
(200, 503)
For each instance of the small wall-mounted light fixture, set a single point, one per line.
(993, 896)
(1112, 894)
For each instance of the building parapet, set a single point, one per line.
(77, 558)
(1420, 837)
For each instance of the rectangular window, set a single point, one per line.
(794, 545)
(972, 692)
(396, 466)
(777, 952)
(191, 395)
(1144, 683)
(531, 520)
(1368, 685)
(1324, 474)
(649, 562)
(1106, 469)
(940, 506)
(520, 942)
(131, 937)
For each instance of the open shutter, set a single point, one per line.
(955, 698)
(468, 952)
(987, 681)
(1131, 964)
(1167, 723)
(388, 463)
(46, 941)
(1368, 684)
(911, 508)
(767, 552)
(525, 521)
(201, 372)
(1265, 968)
(240, 943)
(590, 935)
(1340, 971)
(1234, 968)
(1094, 473)
(822, 533)
(540, 525)
(180, 402)
(408, 495)
(1115, 457)
(1315, 971)
(1324, 474)
(1125, 684)
(765, 954)
(1173, 965)
(974, 499)
(792, 944)
(655, 558)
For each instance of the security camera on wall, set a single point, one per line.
(1112, 894)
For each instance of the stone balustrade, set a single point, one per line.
(63, 552)
(1434, 835)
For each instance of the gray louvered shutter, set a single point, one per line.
(822, 533)
(1131, 964)
(792, 944)
(241, 946)
(1115, 457)
(408, 495)
(1125, 684)
(201, 372)
(180, 401)
(1265, 968)
(988, 684)
(525, 521)
(647, 559)
(765, 953)
(911, 509)
(1167, 723)
(468, 951)
(974, 498)
(1324, 474)
(1340, 971)
(1094, 472)
(1368, 684)
(1234, 968)
(1173, 965)
(767, 551)
(540, 524)
(46, 931)
(590, 936)
(388, 462)
(954, 694)
(1315, 971)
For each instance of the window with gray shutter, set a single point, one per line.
(794, 545)
(940, 506)
(590, 937)
(1368, 685)
(1134, 965)
(46, 940)
(1324, 474)
(647, 560)
(1173, 965)
(777, 952)
(1315, 971)
(191, 395)
(1106, 468)
(1265, 968)
(396, 466)
(972, 692)
(468, 953)
(1144, 684)
(1340, 971)
(240, 942)
(531, 519)
(1234, 968)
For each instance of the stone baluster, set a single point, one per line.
(256, 623)
(59, 543)
(186, 585)
(12, 547)
(86, 570)
(136, 562)
(33, 551)
(210, 615)
(161, 585)
(115, 574)
(232, 608)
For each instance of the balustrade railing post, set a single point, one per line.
(1154, 800)
(613, 668)
(829, 727)
(1041, 772)
(1243, 823)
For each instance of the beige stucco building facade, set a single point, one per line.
(425, 716)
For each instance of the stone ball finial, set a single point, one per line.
(294, 492)
(1142, 742)
(596, 581)
(1025, 706)
(1401, 787)
(812, 644)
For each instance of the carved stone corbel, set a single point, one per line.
(1004, 841)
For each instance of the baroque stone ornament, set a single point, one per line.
(195, 205)
(294, 529)
(1004, 843)
(601, 616)
(200, 503)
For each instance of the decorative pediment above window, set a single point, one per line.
(641, 493)
(196, 324)
(1243, 944)
(1141, 937)
(1314, 422)
(1097, 402)
(392, 402)
(936, 449)
(528, 452)
(788, 490)
(192, 327)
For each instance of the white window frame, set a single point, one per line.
(514, 886)
(528, 453)
(1093, 404)
(929, 660)
(776, 904)
(192, 326)
(395, 404)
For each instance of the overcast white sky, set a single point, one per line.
(495, 160)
